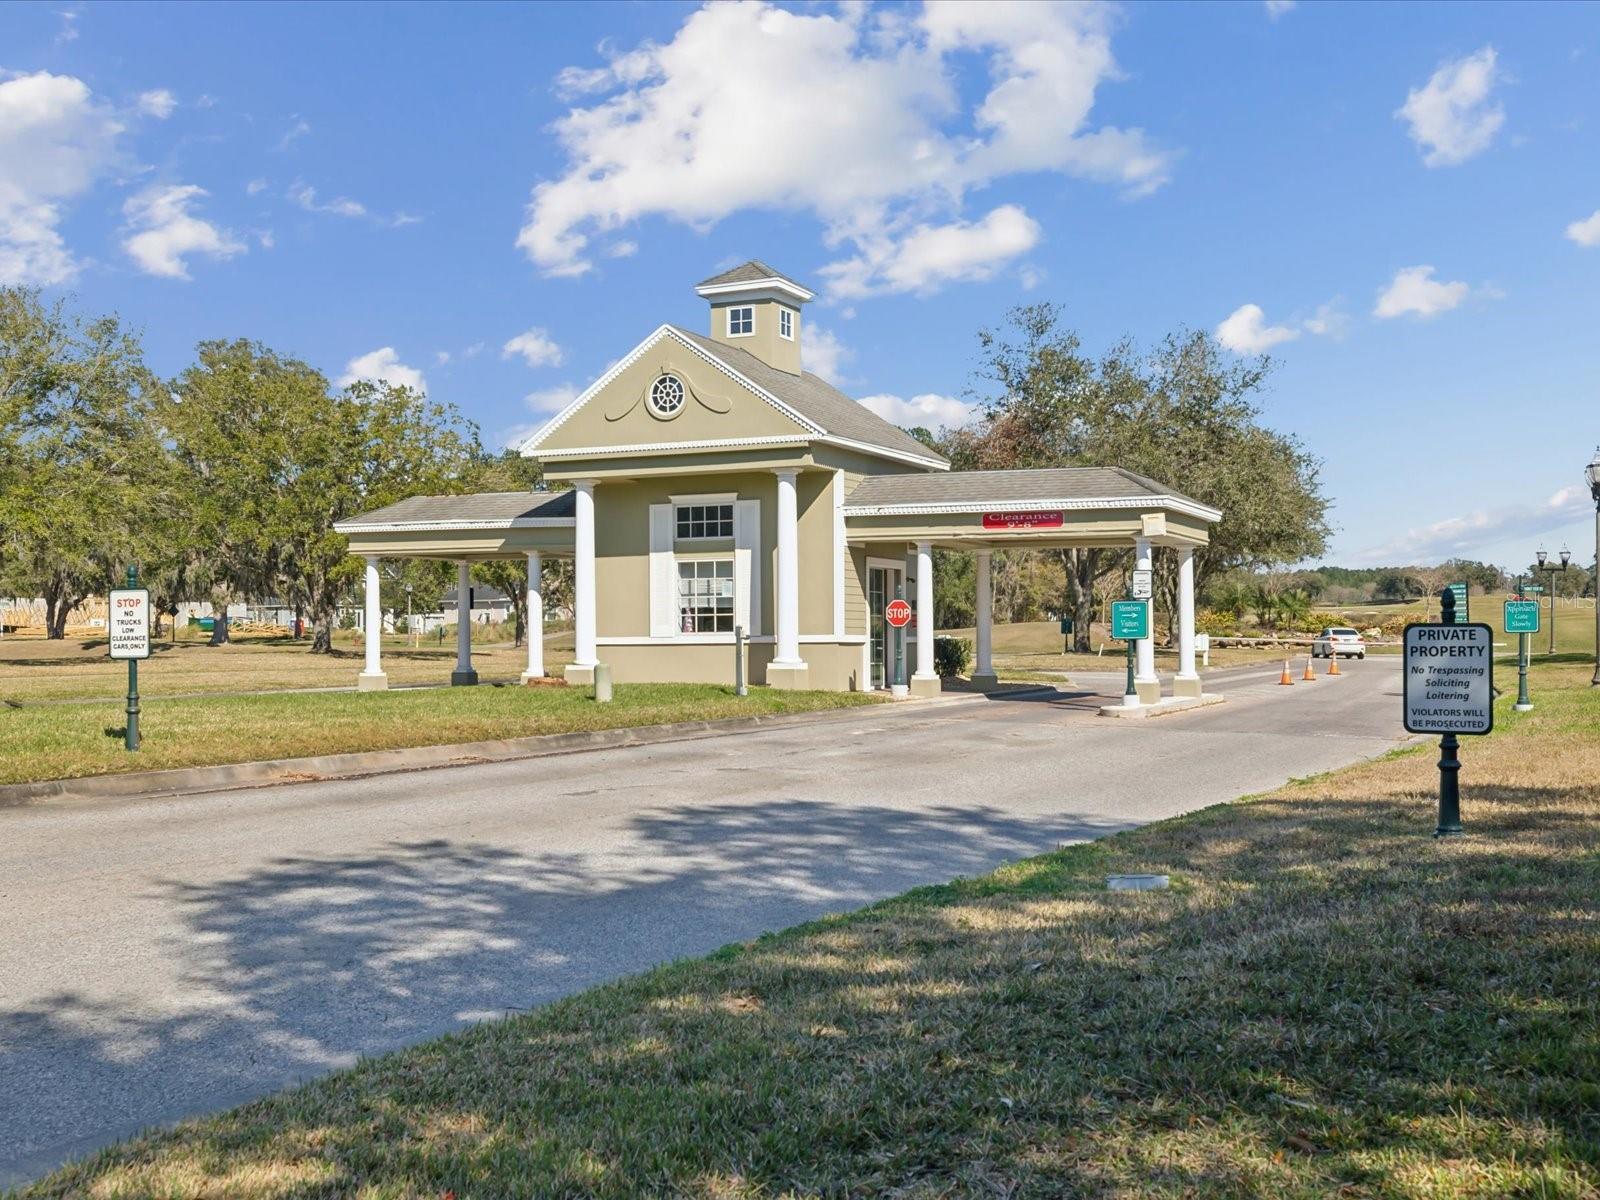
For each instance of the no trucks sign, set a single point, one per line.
(1449, 678)
(128, 623)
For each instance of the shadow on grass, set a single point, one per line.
(1324, 989)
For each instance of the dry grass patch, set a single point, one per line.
(1326, 1003)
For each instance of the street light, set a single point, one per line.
(1550, 570)
(1593, 476)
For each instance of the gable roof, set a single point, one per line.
(1064, 487)
(817, 401)
(478, 510)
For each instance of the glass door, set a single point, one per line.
(881, 584)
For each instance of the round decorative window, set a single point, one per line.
(666, 396)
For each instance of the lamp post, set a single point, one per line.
(1592, 474)
(1550, 569)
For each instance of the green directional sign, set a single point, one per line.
(1522, 616)
(1130, 620)
(1534, 589)
(1460, 589)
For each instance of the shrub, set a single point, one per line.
(1217, 624)
(951, 655)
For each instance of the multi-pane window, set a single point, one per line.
(741, 321)
(786, 324)
(705, 520)
(705, 595)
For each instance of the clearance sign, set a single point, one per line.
(1014, 519)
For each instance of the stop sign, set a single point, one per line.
(898, 614)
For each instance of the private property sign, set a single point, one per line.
(1449, 678)
(1050, 519)
(128, 623)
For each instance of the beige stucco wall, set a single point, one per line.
(764, 342)
(622, 546)
(833, 666)
(717, 408)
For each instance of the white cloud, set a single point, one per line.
(305, 196)
(255, 187)
(930, 410)
(623, 249)
(536, 347)
(266, 238)
(441, 357)
(158, 103)
(473, 350)
(822, 353)
(1470, 535)
(1587, 231)
(163, 231)
(1328, 321)
(69, 28)
(1452, 116)
(929, 256)
(877, 141)
(1276, 8)
(294, 133)
(56, 140)
(382, 365)
(1245, 331)
(544, 404)
(1415, 291)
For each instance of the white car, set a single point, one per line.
(1336, 639)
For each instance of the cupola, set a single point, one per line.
(757, 309)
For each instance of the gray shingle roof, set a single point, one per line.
(816, 400)
(747, 273)
(1007, 487)
(452, 510)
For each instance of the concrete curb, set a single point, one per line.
(184, 781)
(1167, 706)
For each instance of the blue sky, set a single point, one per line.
(1400, 203)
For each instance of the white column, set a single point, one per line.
(535, 622)
(788, 582)
(983, 669)
(372, 677)
(583, 576)
(925, 612)
(463, 674)
(1145, 657)
(1186, 672)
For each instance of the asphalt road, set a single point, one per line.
(166, 957)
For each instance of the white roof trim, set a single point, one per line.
(771, 282)
(667, 447)
(633, 356)
(1175, 503)
(883, 451)
(354, 526)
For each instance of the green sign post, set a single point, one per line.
(128, 638)
(1130, 621)
(1522, 618)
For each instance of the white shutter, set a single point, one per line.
(663, 574)
(747, 565)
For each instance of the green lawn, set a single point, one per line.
(1027, 648)
(34, 669)
(1326, 1003)
(59, 741)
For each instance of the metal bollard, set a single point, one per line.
(602, 683)
(739, 688)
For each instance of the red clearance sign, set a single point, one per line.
(898, 614)
(1050, 519)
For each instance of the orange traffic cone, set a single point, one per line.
(1284, 680)
(1310, 675)
(1333, 665)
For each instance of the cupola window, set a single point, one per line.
(741, 321)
